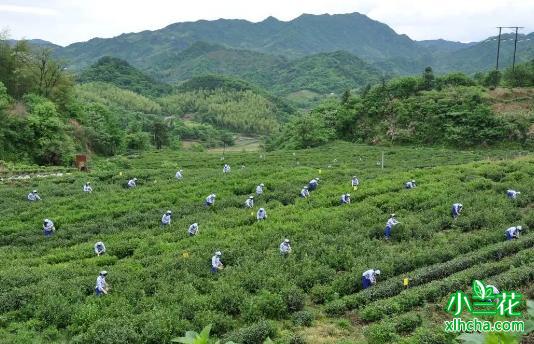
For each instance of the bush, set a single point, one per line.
(407, 323)
(381, 333)
(336, 307)
(320, 294)
(302, 318)
(254, 334)
(294, 299)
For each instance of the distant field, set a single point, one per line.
(160, 277)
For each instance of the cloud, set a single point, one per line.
(39, 11)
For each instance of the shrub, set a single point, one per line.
(407, 323)
(294, 299)
(320, 294)
(336, 307)
(302, 318)
(381, 333)
(254, 334)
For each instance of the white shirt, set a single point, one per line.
(313, 181)
(226, 168)
(216, 261)
(210, 199)
(33, 197)
(304, 193)
(166, 219)
(456, 207)
(392, 222)
(370, 275)
(179, 175)
(249, 203)
(355, 182)
(259, 190)
(512, 231)
(410, 185)
(131, 183)
(193, 229)
(512, 193)
(102, 247)
(101, 283)
(49, 226)
(285, 247)
(261, 215)
(345, 198)
(87, 188)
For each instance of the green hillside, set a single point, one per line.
(120, 73)
(161, 285)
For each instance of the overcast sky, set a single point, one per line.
(68, 21)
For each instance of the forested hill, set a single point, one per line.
(239, 46)
(123, 75)
(305, 35)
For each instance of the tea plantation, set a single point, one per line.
(161, 285)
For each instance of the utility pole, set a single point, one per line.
(499, 44)
(498, 47)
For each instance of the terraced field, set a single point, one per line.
(161, 280)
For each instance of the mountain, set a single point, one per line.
(482, 55)
(443, 46)
(120, 73)
(305, 35)
(37, 43)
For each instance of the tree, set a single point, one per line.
(492, 79)
(428, 79)
(345, 97)
(160, 134)
(521, 76)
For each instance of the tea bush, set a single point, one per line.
(160, 277)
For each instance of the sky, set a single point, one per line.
(67, 21)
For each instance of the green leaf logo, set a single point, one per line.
(479, 290)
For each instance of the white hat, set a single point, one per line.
(377, 272)
(393, 215)
(34, 191)
(317, 178)
(103, 273)
(46, 220)
(413, 180)
(305, 187)
(169, 212)
(218, 253)
(348, 194)
(251, 197)
(460, 204)
(262, 184)
(286, 240)
(135, 179)
(353, 176)
(88, 183)
(519, 228)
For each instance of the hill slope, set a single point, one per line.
(120, 73)
(161, 280)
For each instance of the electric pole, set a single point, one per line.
(499, 44)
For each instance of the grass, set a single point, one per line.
(161, 284)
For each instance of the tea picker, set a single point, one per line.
(285, 247)
(249, 203)
(179, 175)
(166, 218)
(304, 193)
(216, 263)
(345, 198)
(456, 210)
(261, 215)
(410, 184)
(512, 194)
(312, 185)
(33, 196)
(87, 187)
(48, 227)
(226, 168)
(259, 189)
(369, 278)
(101, 287)
(210, 200)
(391, 222)
(132, 183)
(355, 182)
(513, 232)
(193, 229)
(100, 248)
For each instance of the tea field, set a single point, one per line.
(161, 284)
